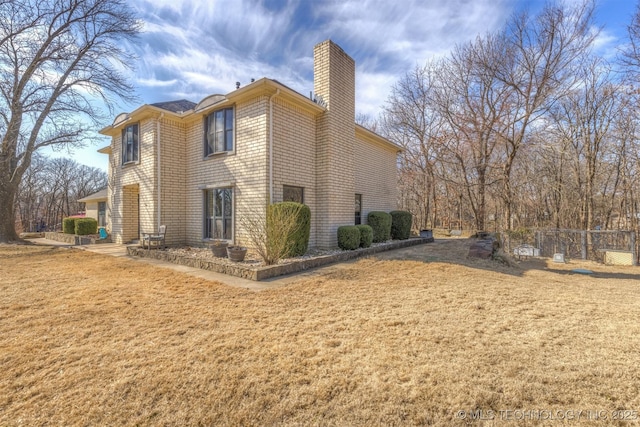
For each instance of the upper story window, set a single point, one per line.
(130, 144)
(218, 132)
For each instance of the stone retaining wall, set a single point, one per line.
(266, 272)
(72, 239)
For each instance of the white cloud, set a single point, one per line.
(194, 48)
(198, 48)
(412, 31)
(372, 90)
(606, 44)
(153, 82)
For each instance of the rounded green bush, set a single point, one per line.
(69, 225)
(400, 225)
(298, 237)
(366, 235)
(348, 237)
(86, 226)
(380, 222)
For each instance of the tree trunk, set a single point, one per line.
(588, 220)
(482, 200)
(434, 215)
(8, 192)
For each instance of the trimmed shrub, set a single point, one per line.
(290, 221)
(86, 226)
(380, 222)
(69, 225)
(366, 235)
(348, 237)
(400, 225)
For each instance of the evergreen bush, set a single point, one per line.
(348, 237)
(69, 225)
(85, 226)
(400, 225)
(380, 222)
(366, 235)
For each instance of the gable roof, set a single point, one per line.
(187, 110)
(102, 194)
(264, 85)
(371, 136)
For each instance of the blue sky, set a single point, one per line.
(194, 48)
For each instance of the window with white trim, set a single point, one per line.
(218, 132)
(218, 213)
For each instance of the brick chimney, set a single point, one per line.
(334, 82)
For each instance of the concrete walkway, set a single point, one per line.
(116, 250)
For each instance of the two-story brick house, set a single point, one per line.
(201, 168)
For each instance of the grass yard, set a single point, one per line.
(87, 339)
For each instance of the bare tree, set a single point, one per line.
(366, 121)
(630, 54)
(552, 153)
(627, 135)
(270, 234)
(585, 117)
(30, 197)
(526, 122)
(412, 121)
(542, 56)
(57, 58)
(50, 190)
(474, 103)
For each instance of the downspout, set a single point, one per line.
(159, 171)
(271, 144)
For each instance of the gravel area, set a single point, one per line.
(252, 259)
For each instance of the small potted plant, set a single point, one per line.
(219, 248)
(236, 253)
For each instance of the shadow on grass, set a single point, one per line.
(455, 251)
(12, 253)
(598, 274)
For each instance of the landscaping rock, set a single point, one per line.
(252, 269)
(484, 248)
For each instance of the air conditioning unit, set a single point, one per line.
(526, 250)
(558, 258)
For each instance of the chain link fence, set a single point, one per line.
(605, 246)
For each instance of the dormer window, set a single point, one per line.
(130, 144)
(218, 132)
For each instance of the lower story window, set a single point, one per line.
(292, 194)
(102, 214)
(358, 218)
(218, 213)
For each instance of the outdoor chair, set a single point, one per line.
(158, 239)
(103, 233)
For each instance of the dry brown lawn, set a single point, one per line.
(87, 339)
